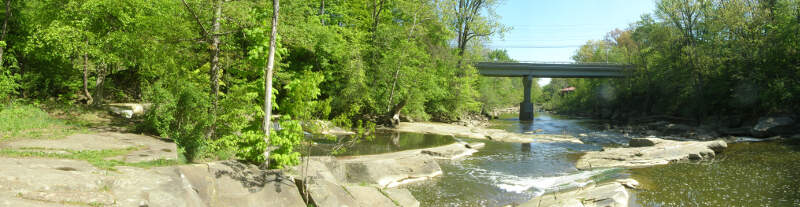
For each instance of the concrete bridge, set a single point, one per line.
(547, 70)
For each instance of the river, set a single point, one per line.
(746, 174)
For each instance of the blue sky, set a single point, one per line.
(552, 30)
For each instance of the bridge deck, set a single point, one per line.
(550, 70)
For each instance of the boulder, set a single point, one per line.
(128, 110)
(772, 125)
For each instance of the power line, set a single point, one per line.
(535, 46)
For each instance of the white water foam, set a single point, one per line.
(541, 185)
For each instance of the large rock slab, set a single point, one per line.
(51, 181)
(231, 183)
(325, 193)
(402, 197)
(480, 133)
(369, 196)
(388, 172)
(451, 151)
(163, 186)
(55, 182)
(350, 181)
(653, 151)
(611, 194)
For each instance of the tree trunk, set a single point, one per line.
(214, 71)
(86, 93)
(268, 78)
(5, 30)
(102, 71)
(397, 69)
(322, 12)
(392, 119)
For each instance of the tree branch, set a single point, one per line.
(197, 19)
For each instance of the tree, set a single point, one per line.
(268, 77)
(468, 23)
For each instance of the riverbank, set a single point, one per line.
(771, 126)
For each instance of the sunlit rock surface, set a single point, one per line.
(652, 151)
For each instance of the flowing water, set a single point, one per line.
(512, 173)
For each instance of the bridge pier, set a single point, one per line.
(526, 107)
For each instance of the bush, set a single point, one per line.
(180, 112)
(8, 85)
(249, 146)
(290, 135)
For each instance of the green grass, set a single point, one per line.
(28, 121)
(389, 197)
(97, 158)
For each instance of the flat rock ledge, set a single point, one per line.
(650, 151)
(611, 194)
(480, 133)
(386, 170)
(58, 182)
(374, 180)
(148, 148)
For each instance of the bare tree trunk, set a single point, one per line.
(397, 69)
(322, 12)
(86, 93)
(5, 30)
(214, 71)
(102, 71)
(268, 78)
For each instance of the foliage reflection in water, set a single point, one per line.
(382, 142)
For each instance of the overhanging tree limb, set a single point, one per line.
(197, 19)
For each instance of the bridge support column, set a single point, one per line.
(526, 107)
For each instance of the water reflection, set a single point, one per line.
(526, 147)
(383, 142)
(745, 174)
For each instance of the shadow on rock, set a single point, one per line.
(251, 177)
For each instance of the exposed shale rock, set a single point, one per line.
(650, 151)
(613, 194)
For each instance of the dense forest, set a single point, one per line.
(707, 61)
(201, 63)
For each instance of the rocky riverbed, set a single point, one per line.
(554, 170)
